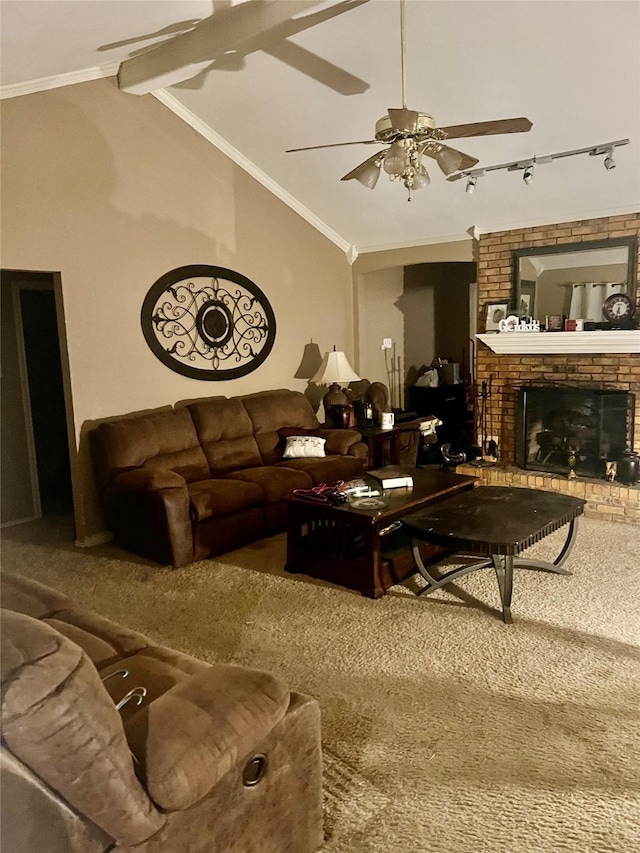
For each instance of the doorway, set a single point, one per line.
(36, 470)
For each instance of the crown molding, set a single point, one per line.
(42, 84)
(415, 244)
(240, 160)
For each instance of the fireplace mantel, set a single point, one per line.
(558, 342)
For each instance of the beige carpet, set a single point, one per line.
(443, 729)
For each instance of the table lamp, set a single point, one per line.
(335, 371)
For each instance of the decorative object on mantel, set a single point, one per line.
(208, 322)
(411, 135)
(496, 312)
(514, 324)
(619, 309)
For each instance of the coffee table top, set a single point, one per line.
(428, 485)
(501, 519)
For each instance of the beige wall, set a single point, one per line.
(389, 305)
(112, 191)
(379, 317)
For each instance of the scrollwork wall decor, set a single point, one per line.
(208, 322)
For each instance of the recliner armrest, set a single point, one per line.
(148, 512)
(190, 737)
(145, 480)
(340, 441)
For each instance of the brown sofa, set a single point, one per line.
(197, 480)
(216, 758)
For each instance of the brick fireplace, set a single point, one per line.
(507, 373)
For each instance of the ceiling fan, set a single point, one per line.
(410, 135)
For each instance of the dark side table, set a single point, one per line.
(495, 522)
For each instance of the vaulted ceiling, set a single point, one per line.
(257, 82)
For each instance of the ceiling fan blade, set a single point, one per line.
(333, 145)
(368, 172)
(450, 160)
(403, 120)
(488, 128)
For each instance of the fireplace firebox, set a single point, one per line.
(559, 428)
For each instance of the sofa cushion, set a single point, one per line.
(164, 439)
(217, 498)
(226, 434)
(276, 481)
(330, 469)
(269, 411)
(59, 720)
(224, 712)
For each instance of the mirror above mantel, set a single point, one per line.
(573, 279)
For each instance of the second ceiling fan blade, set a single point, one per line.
(334, 145)
(488, 128)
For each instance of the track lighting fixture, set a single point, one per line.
(528, 165)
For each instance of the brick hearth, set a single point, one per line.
(507, 372)
(607, 501)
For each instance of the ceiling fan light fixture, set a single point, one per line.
(367, 174)
(420, 179)
(448, 159)
(396, 160)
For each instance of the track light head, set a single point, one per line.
(609, 162)
(528, 175)
(472, 180)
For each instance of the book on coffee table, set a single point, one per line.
(391, 477)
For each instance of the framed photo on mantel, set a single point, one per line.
(496, 311)
(554, 323)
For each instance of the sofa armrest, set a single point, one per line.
(148, 512)
(340, 441)
(144, 480)
(189, 738)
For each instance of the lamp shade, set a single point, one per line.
(335, 368)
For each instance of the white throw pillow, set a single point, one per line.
(299, 446)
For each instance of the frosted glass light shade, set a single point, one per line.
(449, 160)
(421, 179)
(335, 367)
(366, 173)
(395, 161)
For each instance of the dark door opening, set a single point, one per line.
(36, 422)
(46, 391)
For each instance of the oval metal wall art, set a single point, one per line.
(208, 322)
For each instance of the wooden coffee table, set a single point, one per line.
(363, 549)
(497, 522)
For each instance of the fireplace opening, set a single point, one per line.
(560, 428)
